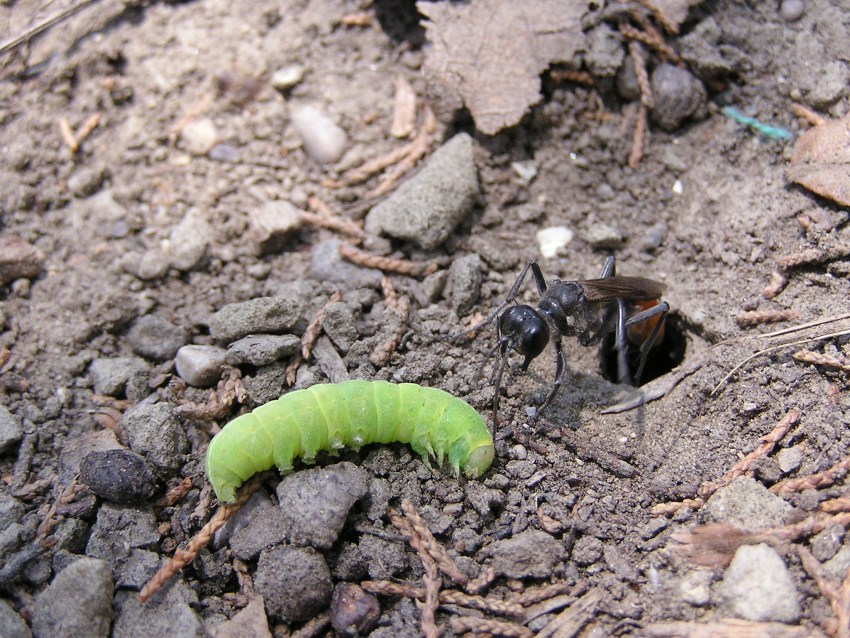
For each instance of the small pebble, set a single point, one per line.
(287, 77)
(188, 241)
(678, 96)
(294, 581)
(338, 323)
(156, 434)
(530, 554)
(156, 338)
(11, 624)
(603, 237)
(552, 239)
(465, 283)
(327, 264)
(250, 621)
(199, 136)
(173, 616)
(273, 223)
(757, 586)
(426, 208)
(118, 529)
(120, 375)
(695, 588)
(200, 366)
(262, 350)
(77, 603)
(354, 612)
(121, 476)
(224, 153)
(323, 140)
(18, 259)
(747, 504)
(86, 181)
(792, 10)
(11, 430)
(790, 458)
(526, 171)
(263, 315)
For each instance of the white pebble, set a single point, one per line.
(323, 140)
(552, 239)
(287, 77)
(199, 136)
(272, 223)
(678, 187)
(200, 366)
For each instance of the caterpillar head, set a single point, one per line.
(479, 460)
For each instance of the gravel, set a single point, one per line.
(256, 316)
(77, 603)
(530, 554)
(11, 430)
(294, 581)
(199, 365)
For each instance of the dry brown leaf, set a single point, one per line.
(489, 54)
(820, 160)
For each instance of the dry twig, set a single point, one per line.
(807, 114)
(748, 318)
(229, 390)
(663, 509)
(653, 40)
(814, 481)
(418, 148)
(658, 14)
(778, 281)
(404, 108)
(476, 625)
(314, 328)
(639, 136)
(819, 359)
(447, 597)
(568, 75)
(430, 545)
(745, 465)
(175, 494)
(815, 571)
(401, 266)
(313, 627)
(183, 557)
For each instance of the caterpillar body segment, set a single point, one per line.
(329, 416)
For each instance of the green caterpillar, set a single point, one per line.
(331, 416)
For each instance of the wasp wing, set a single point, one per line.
(625, 288)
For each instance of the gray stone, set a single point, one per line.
(587, 550)
(138, 569)
(118, 475)
(602, 236)
(604, 51)
(250, 621)
(838, 566)
(11, 430)
(199, 365)
(384, 559)
(256, 316)
(10, 539)
(11, 510)
(155, 433)
(77, 603)
(263, 531)
(167, 613)
(792, 10)
(188, 241)
(272, 224)
(747, 504)
(338, 324)
(315, 502)
(262, 350)
(822, 78)
(11, 624)
(329, 361)
(530, 554)
(465, 283)
(427, 208)
(156, 338)
(789, 458)
(695, 588)
(757, 586)
(294, 581)
(826, 544)
(326, 264)
(119, 375)
(86, 181)
(323, 140)
(678, 96)
(120, 529)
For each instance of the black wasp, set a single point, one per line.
(587, 310)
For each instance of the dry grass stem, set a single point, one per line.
(813, 256)
(447, 597)
(815, 571)
(745, 465)
(380, 356)
(653, 40)
(175, 494)
(566, 75)
(748, 318)
(639, 59)
(430, 545)
(183, 557)
(476, 625)
(663, 509)
(658, 14)
(230, 389)
(418, 149)
(337, 224)
(818, 359)
(835, 505)
(400, 266)
(67, 134)
(807, 114)
(482, 581)
(404, 108)
(777, 283)
(814, 481)
(639, 136)
(570, 621)
(314, 328)
(87, 127)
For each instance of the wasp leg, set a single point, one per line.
(660, 310)
(610, 268)
(539, 279)
(560, 368)
(621, 344)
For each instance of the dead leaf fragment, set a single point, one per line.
(489, 54)
(820, 160)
